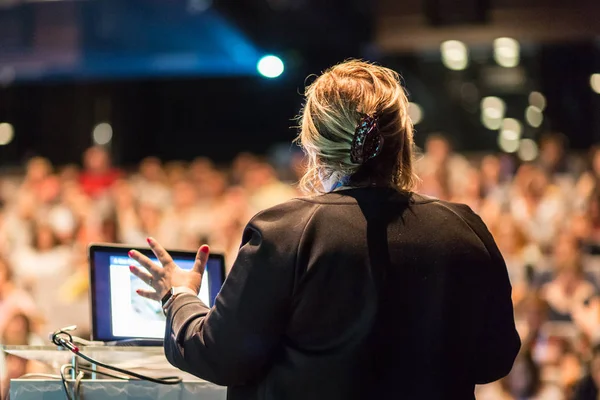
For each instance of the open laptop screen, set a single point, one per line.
(118, 313)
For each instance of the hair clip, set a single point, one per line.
(367, 142)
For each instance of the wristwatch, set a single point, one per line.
(168, 298)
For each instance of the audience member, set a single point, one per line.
(514, 247)
(441, 170)
(13, 300)
(98, 174)
(588, 387)
(570, 289)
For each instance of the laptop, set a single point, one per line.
(120, 316)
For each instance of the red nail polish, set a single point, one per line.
(131, 268)
(204, 250)
(149, 240)
(130, 253)
(137, 291)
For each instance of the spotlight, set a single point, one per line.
(492, 112)
(595, 82)
(492, 124)
(538, 100)
(511, 129)
(7, 133)
(534, 116)
(102, 134)
(528, 150)
(507, 144)
(455, 55)
(506, 52)
(415, 112)
(510, 135)
(270, 66)
(493, 107)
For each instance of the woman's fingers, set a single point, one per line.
(201, 259)
(145, 262)
(143, 275)
(149, 294)
(160, 252)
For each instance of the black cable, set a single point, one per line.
(59, 340)
(123, 378)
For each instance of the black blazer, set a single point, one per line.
(358, 294)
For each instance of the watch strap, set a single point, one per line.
(168, 298)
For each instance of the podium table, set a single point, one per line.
(148, 361)
(100, 389)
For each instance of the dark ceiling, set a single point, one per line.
(219, 111)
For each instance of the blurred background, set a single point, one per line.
(174, 118)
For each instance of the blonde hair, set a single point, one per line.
(335, 103)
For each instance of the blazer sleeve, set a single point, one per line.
(232, 343)
(498, 342)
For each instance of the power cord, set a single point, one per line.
(64, 339)
(93, 371)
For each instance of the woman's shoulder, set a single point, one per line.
(291, 211)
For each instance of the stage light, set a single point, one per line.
(492, 124)
(7, 133)
(528, 150)
(492, 112)
(511, 129)
(534, 116)
(507, 144)
(455, 55)
(510, 135)
(494, 107)
(270, 66)
(102, 134)
(506, 52)
(538, 100)
(415, 112)
(595, 82)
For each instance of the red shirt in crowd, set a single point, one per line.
(94, 183)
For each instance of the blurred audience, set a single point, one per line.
(588, 387)
(544, 215)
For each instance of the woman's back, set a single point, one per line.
(369, 292)
(392, 296)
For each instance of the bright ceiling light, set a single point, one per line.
(538, 100)
(507, 144)
(270, 66)
(528, 150)
(415, 112)
(595, 82)
(455, 55)
(7, 133)
(102, 134)
(534, 116)
(492, 112)
(491, 123)
(506, 52)
(511, 129)
(493, 106)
